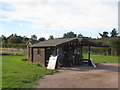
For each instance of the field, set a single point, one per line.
(102, 58)
(12, 50)
(20, 74)
(0, 72)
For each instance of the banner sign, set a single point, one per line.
(52, 62)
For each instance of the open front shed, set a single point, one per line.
(70, 48)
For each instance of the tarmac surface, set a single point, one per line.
(105, 75)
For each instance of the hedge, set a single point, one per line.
(23, 46)
(100, 50)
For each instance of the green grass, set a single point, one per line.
(102, 58)
(20, 74)
(0, 73)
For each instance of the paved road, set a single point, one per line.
(104, 76)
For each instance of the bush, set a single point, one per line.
(23, 46)
(14, 40)
(98, 50)
(115, 45)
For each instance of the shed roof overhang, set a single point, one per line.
(65, 41)
(55, 42)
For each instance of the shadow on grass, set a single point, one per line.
(13, 54)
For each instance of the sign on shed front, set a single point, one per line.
(52, 62)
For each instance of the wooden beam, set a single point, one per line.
(89, 56)
(89, 53)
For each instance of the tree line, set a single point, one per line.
(23, 40)
(16, 41)
(113, 33)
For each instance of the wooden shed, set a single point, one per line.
(70, 47)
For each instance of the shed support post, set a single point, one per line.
(55, 51)
(89, 62)
(45, 58)
(32, 52)
(28, 52)
(89, 53)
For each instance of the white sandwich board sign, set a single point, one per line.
(52, 62)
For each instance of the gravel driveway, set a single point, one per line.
(104, 76)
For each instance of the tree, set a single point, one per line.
(25, 38)
(14, 40)
(34, 37)
(115, 44)
(69, 35)
(87, 41)
(3, 39)
(0, 40)
(114, 33)
(65, 36)
(42, 39)
(105, 34)
(51, 37)
(80, 35)
(98, 43)
(9, 36)
(15, 34)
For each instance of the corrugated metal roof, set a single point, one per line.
(54, 42)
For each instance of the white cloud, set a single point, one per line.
(45, 36)
(63, 14)
(20, 24)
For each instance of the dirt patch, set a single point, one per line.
(104, 76)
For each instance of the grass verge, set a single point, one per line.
(102, 58)
(20, 74)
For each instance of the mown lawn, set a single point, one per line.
(0, 73)
(102, 58)
(20, 74)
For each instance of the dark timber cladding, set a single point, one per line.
(39, 53)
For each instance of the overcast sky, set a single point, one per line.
(56, 17)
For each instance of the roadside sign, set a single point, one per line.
(52, 62)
